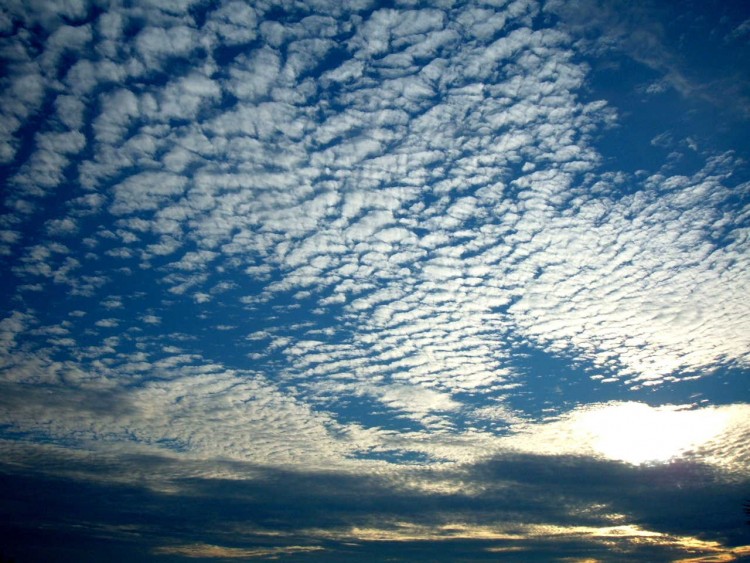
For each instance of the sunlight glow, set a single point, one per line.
(637, 433)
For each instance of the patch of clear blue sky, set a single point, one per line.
(695, 43)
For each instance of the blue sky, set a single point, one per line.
(411, 281)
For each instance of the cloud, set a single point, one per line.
(459, 199)
(11, 327)
(537, 506)
(205, 551)
(377, 252)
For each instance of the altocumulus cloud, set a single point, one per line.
(307, 281)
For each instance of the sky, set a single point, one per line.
(320, 281)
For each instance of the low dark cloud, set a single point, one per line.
(518, 507)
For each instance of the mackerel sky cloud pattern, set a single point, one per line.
(371, 257)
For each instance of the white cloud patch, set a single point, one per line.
(146, 192)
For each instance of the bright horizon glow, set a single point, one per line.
(637, 433)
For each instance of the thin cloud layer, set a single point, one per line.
(403, 242)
